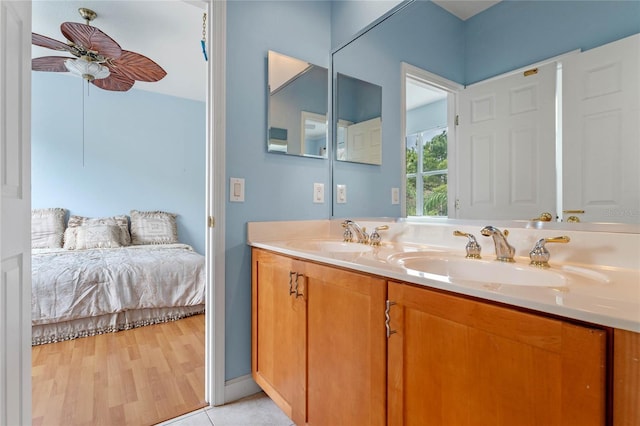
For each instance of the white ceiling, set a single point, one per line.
(465, 9)
(166, 31)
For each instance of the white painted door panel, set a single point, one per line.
(506, 148)
(601, 132)
(364, 141)
(15, 207)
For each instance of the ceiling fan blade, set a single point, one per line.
(44, 41)
(49, 63)
(91, 38)
(115, 82)
(137, 67)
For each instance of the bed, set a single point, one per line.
(96, 276)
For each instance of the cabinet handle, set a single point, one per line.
(298, 294)
(388, 319)
(291, 274)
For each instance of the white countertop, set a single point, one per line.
(612, 302)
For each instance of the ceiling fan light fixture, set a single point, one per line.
(88, 70)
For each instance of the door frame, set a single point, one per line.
(215, 210)
(410, 71)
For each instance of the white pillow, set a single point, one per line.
(97, 236)
(153, 227)
(47, 227)
(121, 222)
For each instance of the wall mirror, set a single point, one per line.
(298, 105)
(358, 120)
(492, 44)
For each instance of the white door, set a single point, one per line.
(601, 132)
(506, 147)
(15, 207)
(364, 141)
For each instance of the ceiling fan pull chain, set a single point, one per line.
(203, 42)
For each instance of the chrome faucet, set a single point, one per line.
(504, 251)
(350, 228)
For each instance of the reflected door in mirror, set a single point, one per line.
(506, 149)
(601, 134)
(359, 121)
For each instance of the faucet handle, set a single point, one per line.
(539, 255)
(347, 235)
(473, 248)
(375, 238)
(544, 217)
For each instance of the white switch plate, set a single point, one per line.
(395, 195)
(318, 192)
(341, 194)
(236, 190)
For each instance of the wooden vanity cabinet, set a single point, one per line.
(321, 356)
(457, 361)
(626, 378)
(278, 333)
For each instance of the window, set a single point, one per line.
(426, 164)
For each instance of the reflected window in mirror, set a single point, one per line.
(359, 121)
(427, 119)
(298, 104)
(427, 173)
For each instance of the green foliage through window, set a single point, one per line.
(427, 179)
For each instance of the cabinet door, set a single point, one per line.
(626, 378)
(346, 347)
(455, 361)
(278, 332)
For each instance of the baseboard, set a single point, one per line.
(239, 388)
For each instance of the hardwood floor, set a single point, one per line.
(135, 377)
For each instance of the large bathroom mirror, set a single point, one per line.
(358, 121)
(503, 38)
(298, 105)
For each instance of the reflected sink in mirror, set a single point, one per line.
(329, 246)
(494, 272)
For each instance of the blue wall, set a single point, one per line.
(349, 17)
(516, 33)
(278, 187)
(432, 39)
(142, 151)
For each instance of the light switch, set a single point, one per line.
(236, 190)
(341, 194)
(318, 192)
(395, 195)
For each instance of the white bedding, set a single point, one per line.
(71, 285)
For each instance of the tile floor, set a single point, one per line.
(255, 410)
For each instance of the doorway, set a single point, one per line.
(428, 127)
(214, 361)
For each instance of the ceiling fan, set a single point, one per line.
(97, 57)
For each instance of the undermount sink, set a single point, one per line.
(493, 272)
(330, 246)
